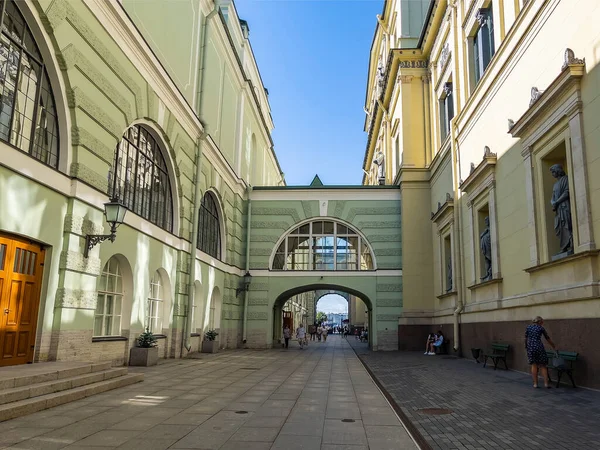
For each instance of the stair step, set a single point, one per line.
(30, 405)
(60, 384)
(15, 376)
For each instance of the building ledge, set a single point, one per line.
(485, 283)
(447, 294)
(109, 338)
(566, 259)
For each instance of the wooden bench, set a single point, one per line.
(443, 349)
(497, 353)
(569, 357)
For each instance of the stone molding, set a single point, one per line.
(389, 288)
(258, 301)
(75, 262)
(388, 317)
(81, 226)
(75, 298)
(371, 211)
(389, 302)
(277, 212)
(254, 315)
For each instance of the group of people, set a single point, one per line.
(536, 353)
(319, 332)
(316, 331)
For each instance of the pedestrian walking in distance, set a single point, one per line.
(301, 335)
(536, 353)
(287, 334)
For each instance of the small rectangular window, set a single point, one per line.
(483, 43)
(446, 111)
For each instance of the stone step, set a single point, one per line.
(30, 405)
(18, 376)
(61, 384)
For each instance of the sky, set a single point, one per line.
(332, 303)
(313, 57)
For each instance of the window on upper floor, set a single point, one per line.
(27, 109)
(141, 180)
(209, 227)
(483, 43)
(446, 110)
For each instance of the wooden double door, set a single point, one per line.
(21, 267)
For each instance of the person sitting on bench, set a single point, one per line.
(437, 342)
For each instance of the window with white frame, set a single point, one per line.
(483, 43)
(155, 304)
(107, 320)
(323, 245)
(446, 110)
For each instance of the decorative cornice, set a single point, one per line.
(535, 95)
(444, 211)
(571, 60)
(444, 56)
(486, 167)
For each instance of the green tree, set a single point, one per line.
(321, 316)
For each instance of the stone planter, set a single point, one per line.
(143, 356)
(210, 346)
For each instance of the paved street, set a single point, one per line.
(320, 398)
(487, 408)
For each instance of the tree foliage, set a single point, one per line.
(321, 316)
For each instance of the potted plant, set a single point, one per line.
(145, 353)
(209, 344)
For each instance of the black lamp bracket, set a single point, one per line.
(93, 239)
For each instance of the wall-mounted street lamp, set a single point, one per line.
(114, 211)
(245, 284)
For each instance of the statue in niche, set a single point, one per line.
(485, 243)
(561, 205)
(379, 162)
(380, 76)
(449, 275)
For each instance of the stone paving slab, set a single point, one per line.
(488, 409)
(236, 400)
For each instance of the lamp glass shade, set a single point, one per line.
(114, 212)
(247, 280)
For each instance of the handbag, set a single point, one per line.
(558, 361)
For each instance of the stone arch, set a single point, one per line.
(199, 308)
(319, 219)
(170, 161)
(283, 297)
(167, 299)
(127, 289)
(214, 311)
(57, 73)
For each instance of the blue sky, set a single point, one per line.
(332, 303)
(313, 58)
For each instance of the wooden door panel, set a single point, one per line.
(8, 345)
(20, 279)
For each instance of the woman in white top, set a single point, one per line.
(301, 335)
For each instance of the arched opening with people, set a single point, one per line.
(314, 313)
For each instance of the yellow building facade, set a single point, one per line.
(469, 122)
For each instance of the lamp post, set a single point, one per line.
(245, 284)
(114, 212)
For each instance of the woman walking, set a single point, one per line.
(301, 335)
(536, 353)
(287, 334)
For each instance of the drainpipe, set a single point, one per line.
(248, 227)
(195, 219)
(457, 236)
(203, 55)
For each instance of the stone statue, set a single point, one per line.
(449, 276)
(379, 162)
(380, 77)
(485, 243)
(561, 205)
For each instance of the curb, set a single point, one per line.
(410, 427)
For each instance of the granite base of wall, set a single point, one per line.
(117, 352)
(257, 338)
(387, 340)
(71, 345)
(577, 335)
(413, 338)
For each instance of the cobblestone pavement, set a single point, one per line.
(320, 398)
(489, 409)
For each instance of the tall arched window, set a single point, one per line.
(107, 321)
(323, 245)
(27, 110)
(141, 180)
(209, 227)
(155, 304)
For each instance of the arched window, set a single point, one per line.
(155, 304)
(27, 110)
(209, 227)
(141, 180)
(107, 321)
(323, 245)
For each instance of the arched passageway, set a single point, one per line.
(298, 305)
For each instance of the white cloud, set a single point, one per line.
(333, 303)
